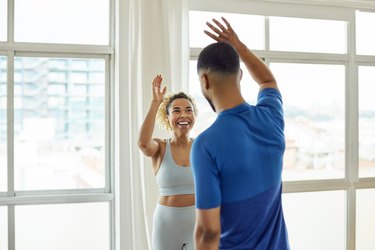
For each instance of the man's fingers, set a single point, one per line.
(211, 35)
(221, 31)
(216, 30)
(227, 23)
(219, 25)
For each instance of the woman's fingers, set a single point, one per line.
(157, 81)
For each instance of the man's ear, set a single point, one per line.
(204, 81)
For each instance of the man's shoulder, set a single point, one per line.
(204, 136)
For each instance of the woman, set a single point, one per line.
(174, 215)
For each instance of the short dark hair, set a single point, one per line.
(219, 57)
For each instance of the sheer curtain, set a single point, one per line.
(151, 38)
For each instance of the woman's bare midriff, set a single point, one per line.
(182, 200)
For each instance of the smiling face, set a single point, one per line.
(181, 115)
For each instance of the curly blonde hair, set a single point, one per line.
(162, 114)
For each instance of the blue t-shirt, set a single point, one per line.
(237, 164)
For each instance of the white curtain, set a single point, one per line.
(151, 38)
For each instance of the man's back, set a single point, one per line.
(237, 165)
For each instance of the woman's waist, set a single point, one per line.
(180, 200)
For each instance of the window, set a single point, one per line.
(55, 125)
(365, 34)
(67, 22)
(314, 109)
(3, 227)
(49, 153)
(365, 219)
(80, 226)
(297, 34)
(329, 164)
(3, 125)
(255, 39)
(3, 20)
(366, 121)
(314, 210)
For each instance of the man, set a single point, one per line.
(237, 161)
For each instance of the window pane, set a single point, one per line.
(314, 108)
(315, 220)
(3, 228)
(252, 33)
(307, 35)
(3, 124)
(68, 21)
(59, 125)
(366, 104)
(365, 219)
(3, 20)
(63, 226)
(365, 39)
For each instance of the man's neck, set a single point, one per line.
(227, 101)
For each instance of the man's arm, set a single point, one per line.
(207, 229)
(256, 67)
(207, 195)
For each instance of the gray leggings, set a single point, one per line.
(173, 228)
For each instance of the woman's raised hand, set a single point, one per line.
(157, 92)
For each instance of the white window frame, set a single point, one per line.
(328, 10)
(12, 198)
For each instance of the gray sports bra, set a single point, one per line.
(173, 179)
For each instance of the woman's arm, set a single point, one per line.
(146, 143)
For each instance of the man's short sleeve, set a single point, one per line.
(206, 176)
(271, 98)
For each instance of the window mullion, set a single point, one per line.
(107, 127)
(351, 121)
(352, 107)
(59, 48)
(11, 228)
(267, 34)
(10, 122)
(351, 218)
(10, 126)
(10, 29)
(10, 147)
